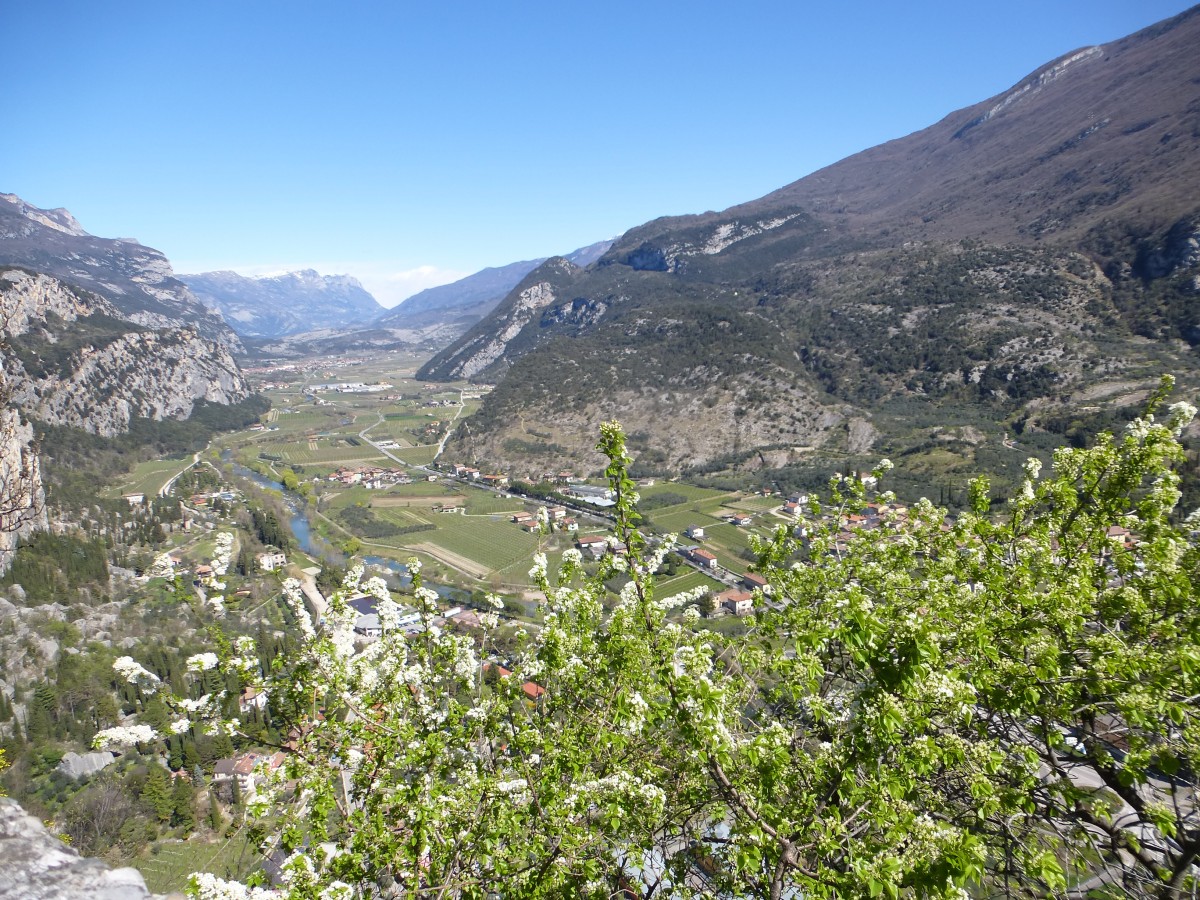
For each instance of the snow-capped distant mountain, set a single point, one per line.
(286, 304)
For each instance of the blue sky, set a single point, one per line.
(409, 144)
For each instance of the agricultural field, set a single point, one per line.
(482, 544)
(677, 519)
(494, 545)
(341, 453)
(149, 477)
(169, 865)
(417, 456)
(755, 503)
(688, 491)
(686, 581)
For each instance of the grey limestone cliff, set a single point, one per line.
(74, 359)
(38, 866)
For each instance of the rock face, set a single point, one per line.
(448, 310)
(38, 866)
(137, 280)
(293, 303)
(487, 347)
(22, 500)
(81, 765)
(73, 359)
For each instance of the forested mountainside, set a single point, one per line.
(1037, 250)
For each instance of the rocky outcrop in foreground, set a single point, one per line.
(38, 866)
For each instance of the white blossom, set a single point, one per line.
(202, 662)
(209, 887)
(124, 736)
(133, 672)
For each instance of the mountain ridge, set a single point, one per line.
(869, 282)
(138, 280)
(272, 306)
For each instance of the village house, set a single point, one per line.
(695, 532)
(569, 524)
(740, 520)
(239, 769)
(752, 581)
(272, 560)
(702, 557)
(737, 602)
(251, 698)
(497, 480)
(594, 546)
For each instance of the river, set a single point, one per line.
(302, 531)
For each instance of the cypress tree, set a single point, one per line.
(183, 805)
(156, 795)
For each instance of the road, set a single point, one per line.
(166, 488)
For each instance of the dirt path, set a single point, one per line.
(461, 563)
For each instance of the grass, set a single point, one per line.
(667, 587)
(169, 865)
(494, 545)
(149, 477)
(691, 492)
(678, 519)
(303, 452)
(755, 503)
(485, 503)
(417, 456)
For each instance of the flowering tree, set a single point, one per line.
(1001, 704)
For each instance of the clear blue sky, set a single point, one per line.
(410, 143)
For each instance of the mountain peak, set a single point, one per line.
(59, 219)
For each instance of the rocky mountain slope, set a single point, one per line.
(462, 303)
(1040, 248)
(71, 358)
(137, 280)
(292, 303)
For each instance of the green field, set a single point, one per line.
(755, 503)
(677, 519)
(691, 492)
(169, 865)
(494, 545)
(485, 503)
(149, 477)
(690, 578)
(417, 456)
(341, 454)
(308, 420)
